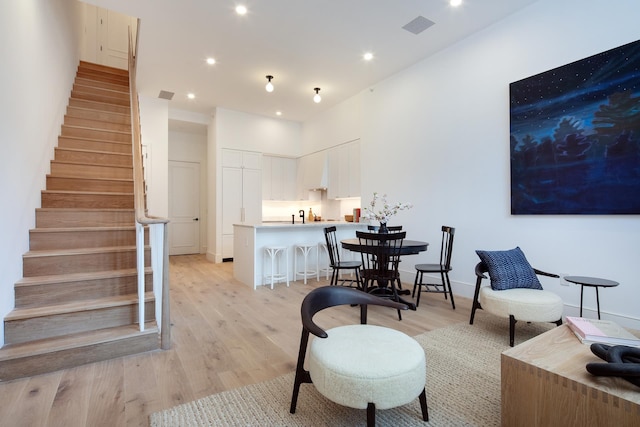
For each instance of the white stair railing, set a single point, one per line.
(156, 226)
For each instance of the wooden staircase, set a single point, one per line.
(77, 302)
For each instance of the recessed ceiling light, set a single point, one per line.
(278, 113)
(241, 9)
(191, 96)
(211, 61)
(455, 3)
(368, 56)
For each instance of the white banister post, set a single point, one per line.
(141, 272)
(157, 265)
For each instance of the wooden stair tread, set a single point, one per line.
(86, 81)
(80, 251)
(86, 65)
(91, 179)
(82, 150)
(80, 138)
(81, 229)
(113, 100)
(75, 306)
(68, 162)
(100, 80)
(87, 192)
(88, 108)
(85, 209)
(77, 277)
(99, 130)
(49, 345)
(99, 106)
(123, 90)
(95, 193)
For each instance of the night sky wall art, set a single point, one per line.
(575, 137)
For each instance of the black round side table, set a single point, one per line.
(593, 282)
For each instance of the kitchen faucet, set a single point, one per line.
(301, 212)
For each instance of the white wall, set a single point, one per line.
(332, 127)
(40, 51)
(243, 131)
(154, 127)
(437, 135)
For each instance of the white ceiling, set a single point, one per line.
(302, 43)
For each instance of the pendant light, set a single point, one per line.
(269, 86)
(316, 97)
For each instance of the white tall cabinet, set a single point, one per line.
(241, 193)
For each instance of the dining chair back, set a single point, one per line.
(442, 268)
(337, 265)
(380, 254)
(391, 228)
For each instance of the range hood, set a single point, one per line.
(314, 170)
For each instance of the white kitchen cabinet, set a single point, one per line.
(344, 171)
(312, 173)
(241, 193)
(278, 178)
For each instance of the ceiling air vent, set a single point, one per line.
(418, 25)
(166, 95)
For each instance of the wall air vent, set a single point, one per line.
(166, 95)
(418, 25)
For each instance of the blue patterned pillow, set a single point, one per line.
(509, 269)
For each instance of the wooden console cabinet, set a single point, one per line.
(544, 383)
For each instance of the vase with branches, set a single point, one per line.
(380, 210)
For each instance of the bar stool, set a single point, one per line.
(326, 269)
(274, 255)
(305, 250)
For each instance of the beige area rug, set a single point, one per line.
(463, 388)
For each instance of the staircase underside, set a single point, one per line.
(78, 300)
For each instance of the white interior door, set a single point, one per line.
(106, 36)
(184, 208)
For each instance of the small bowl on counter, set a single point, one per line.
(348, 218)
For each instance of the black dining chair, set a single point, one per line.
(392, 229)
(337, 265)
(380, 254)
(442, 268)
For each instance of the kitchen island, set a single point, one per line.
(250, 240)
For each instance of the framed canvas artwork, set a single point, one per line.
(575, 137)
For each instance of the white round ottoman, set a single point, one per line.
(362, 364)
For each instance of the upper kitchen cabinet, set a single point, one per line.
(344, 171)
(312, 173)
(241, 193)
(279, 178)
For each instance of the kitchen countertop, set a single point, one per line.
(284, 224)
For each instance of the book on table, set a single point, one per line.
(601, 331)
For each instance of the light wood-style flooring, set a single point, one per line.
(224, 335)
